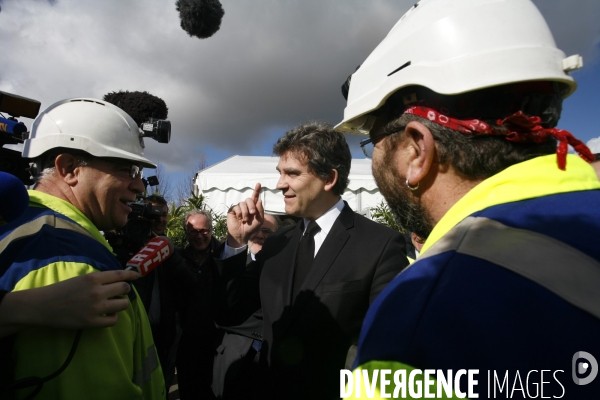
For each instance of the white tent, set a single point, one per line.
(232, 180)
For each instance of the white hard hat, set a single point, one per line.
(594, 145)
(458, 46)
(94, 126)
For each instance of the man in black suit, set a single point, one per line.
(315, 280)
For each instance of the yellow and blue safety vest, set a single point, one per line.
(53, 241)
(508, 283)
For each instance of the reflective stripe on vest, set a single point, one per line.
(32, 227)
(565, 271)
(149, 365)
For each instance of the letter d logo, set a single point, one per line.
(582, 367)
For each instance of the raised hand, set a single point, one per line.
(244, 219)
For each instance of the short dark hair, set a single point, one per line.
(474, 156)
(156, 198)
(323, 149)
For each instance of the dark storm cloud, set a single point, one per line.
(273, 64)
(574, 25)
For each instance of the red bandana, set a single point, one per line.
(521, 129)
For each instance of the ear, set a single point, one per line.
(421, 152)
(67, 168)
(331, 180)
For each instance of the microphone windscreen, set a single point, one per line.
(139, 105)
(200, 18)
(13, 197)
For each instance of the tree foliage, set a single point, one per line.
(381, 213)
(175, 229)
(185, 186)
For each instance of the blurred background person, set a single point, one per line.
(159, 290)
(196, 349)
(236, 369)
(255, 243)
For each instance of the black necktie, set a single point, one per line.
(305, 256)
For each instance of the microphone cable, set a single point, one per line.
(39, 382)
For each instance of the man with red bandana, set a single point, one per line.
(461, 102)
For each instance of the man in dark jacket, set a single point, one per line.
(196, 349)
(236, 367)
(315, 280)
(158, 292)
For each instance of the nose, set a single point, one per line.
(281, 183)
(136, 185)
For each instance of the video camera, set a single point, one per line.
(157, 129)
(139, 220)
(14, 132)
(129, 239)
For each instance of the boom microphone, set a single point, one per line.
(200, 18)
(156, 251)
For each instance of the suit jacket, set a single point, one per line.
(306, 339)
(234, 367)
(197, 345)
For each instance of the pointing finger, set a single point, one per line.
(260, 211)
(256, 193)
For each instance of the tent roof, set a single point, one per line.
(240, 172)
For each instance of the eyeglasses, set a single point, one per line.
(195, 232)
(368, 145)
(134, 170)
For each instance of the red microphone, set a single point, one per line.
(156, 251)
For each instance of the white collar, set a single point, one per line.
(327, 220)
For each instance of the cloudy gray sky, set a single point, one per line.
(272, 65)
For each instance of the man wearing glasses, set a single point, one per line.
(196, 347)
(467, 153)
(88, 157)
(198, 233)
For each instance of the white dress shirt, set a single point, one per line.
(325, 222)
